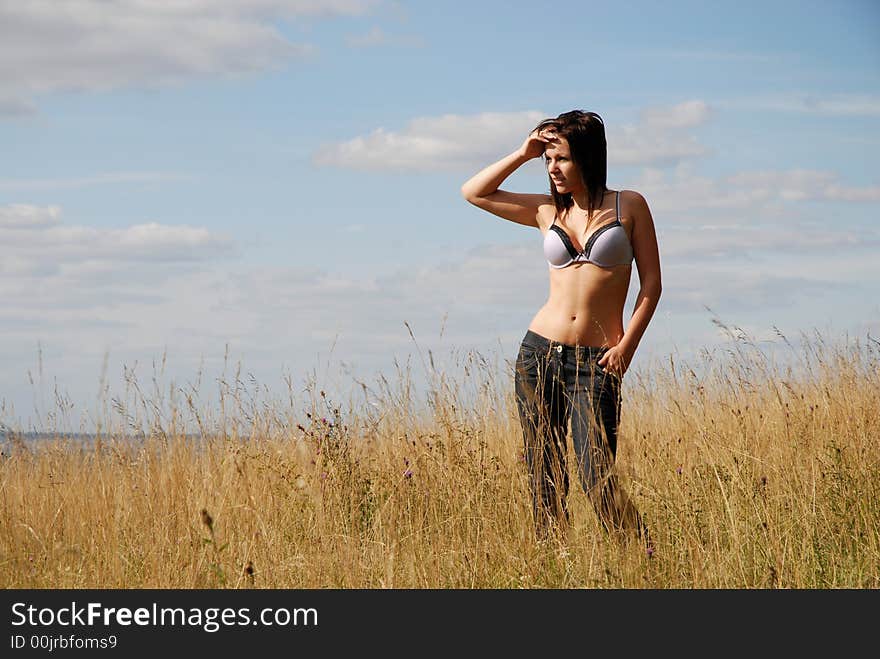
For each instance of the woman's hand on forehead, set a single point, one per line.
(554, 143)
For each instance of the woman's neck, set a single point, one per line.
(581, 200)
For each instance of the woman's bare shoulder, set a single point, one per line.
(634, 205)
(633, 197)
(546, 213)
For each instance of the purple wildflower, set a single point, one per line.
(408, 473)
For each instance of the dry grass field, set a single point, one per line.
(749, 474)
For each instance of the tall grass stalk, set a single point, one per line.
(750, 474)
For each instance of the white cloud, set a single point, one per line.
(434, 143)
(314, 303)
(27, 216)
(849, 193)
(37, 244)
(682, 115)
(281, 319)
(762, 193)
(689, 287)
(12, 107)
(660, 137)
(828, 104)
(468, 141)
(637, 145)
(797, 185)
(489, 289)
(81, 291)
(52, 45)
(709, 242)
(142, 242)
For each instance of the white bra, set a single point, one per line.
(607, 246)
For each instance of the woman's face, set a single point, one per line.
(561, 168)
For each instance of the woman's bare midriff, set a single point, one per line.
(585, 305)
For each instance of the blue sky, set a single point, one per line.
(276, 183)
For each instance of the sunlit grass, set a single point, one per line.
(750, 474)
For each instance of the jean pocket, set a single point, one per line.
(528, 359)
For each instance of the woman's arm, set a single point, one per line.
(647, 256)
(482, 189)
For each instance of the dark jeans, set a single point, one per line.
(557, 384)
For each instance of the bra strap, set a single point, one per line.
(618, 205)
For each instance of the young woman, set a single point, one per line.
(576, 349)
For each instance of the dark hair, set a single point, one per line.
(585, 132)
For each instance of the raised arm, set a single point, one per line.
(482, 189)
